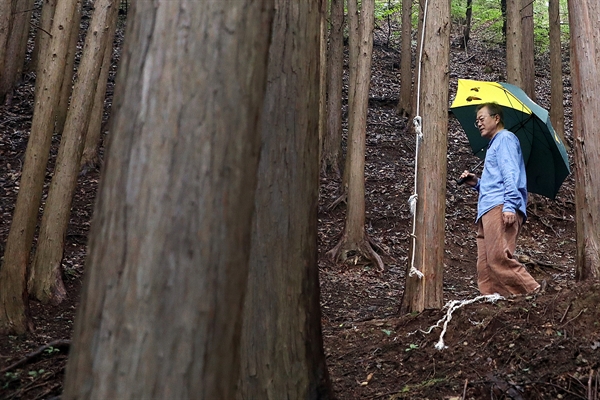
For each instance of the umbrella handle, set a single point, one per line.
(460, 181)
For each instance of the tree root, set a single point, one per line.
(345, 250)
(530, 262)
(34, 354)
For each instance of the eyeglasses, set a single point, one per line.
(481, 119)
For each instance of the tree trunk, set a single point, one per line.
(332, 146)
(467, 30)
(45, 279)
(322, 75)
(426, 292)
(514, 43)
(5, 28)
(282, 347)
(557, 109)
(66, 88)
(354, 238)
(42, 35)
(90, 158)
(585, 62)
(528, 51)
(20, 237)
(161, 309)
(353, 55)
(16, 45)
(405, 102)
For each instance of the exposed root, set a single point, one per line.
(56, 343)
(344, 250)
(336, 202)
(530, 262)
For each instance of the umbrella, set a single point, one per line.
(546, 160)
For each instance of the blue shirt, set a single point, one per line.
(503, 180)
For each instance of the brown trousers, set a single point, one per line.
(497, 270)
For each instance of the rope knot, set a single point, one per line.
(417, 122)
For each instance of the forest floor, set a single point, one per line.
(530, 347)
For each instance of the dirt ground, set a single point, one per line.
(536, 347)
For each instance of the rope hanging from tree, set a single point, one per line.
(417, 122)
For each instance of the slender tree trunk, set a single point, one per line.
(13, 298)
(467, 30)
(557, 109)
(5, 28)
(66, 87)
(426, 292)
(405, 102)
(322, 76)
(353, 55)
(161, 309)
(42, 35)
(16, 45)
(354, 237)
(585, 69)
(514, 43)
(90, 158)
(282, 347)
(45, 279)
(528, 51)
(331, 156)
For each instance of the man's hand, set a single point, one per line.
(509, 218)
(469, 178)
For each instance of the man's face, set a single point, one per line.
(486, 123)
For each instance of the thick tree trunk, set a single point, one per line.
(426, 292)
(45, 279)
(161, 309)
(42, 35)
(16, 45)
(405, 102)
(354, 238)
(528, 51)
(90, 158)
(585, 69)
(557, 109)
(514, 43)
(282, 347)
(13, 302)
(66, 88)
(332, 146)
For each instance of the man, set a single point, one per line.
(501, 208)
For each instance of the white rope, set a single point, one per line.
(453, 306)
(417, 122)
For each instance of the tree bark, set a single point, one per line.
(16, 45)
(332, 146)
(585, 61)
(426, 292)
(13, 298)
(467, 30)
(514, 43)
(42, 35)
(45, 279)
(353, 55)
(282, 346)
(161, 308)
(557, 109)
(405, 102)
(354, 237)
(5, 28)
(528, 51)
(322, 76)
(66, 87)
(90, 158)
